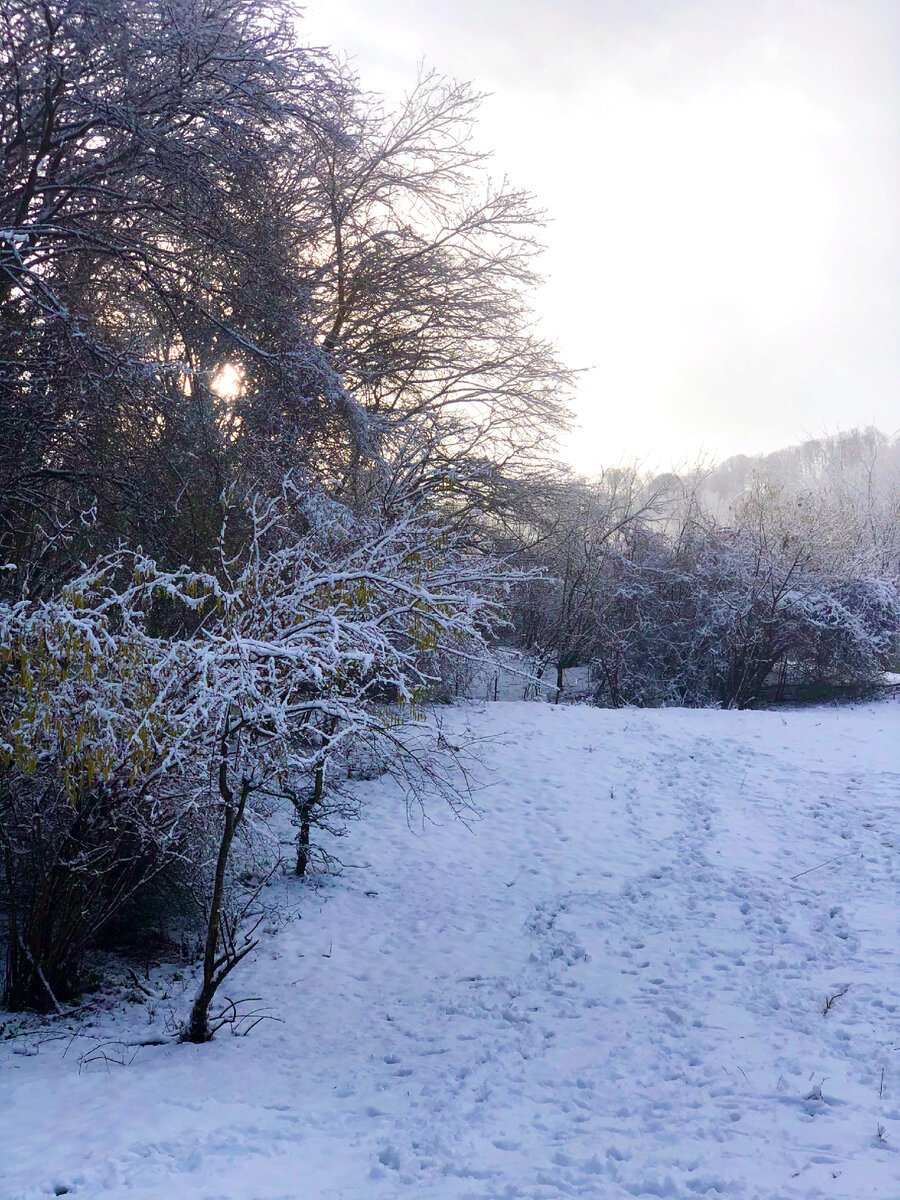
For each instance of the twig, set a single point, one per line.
(830, 1000)
(836, 858)
(137, 983)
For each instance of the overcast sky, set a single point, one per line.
(722, 180)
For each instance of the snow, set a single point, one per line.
(609, 985)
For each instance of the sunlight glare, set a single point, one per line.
(228, 382)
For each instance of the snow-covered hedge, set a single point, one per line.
(139, 705)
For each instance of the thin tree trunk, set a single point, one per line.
(216, 967)
(13, 982)
(306, 812)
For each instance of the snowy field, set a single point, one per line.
(611, 985)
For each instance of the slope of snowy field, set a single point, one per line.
(612, 984)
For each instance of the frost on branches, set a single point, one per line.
(145, 710)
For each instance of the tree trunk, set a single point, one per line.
(303, 842)
(306, 813)
(12, 989)
(216, 966)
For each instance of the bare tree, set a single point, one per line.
(572, 533)
(424, 290)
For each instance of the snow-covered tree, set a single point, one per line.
(221, 260)
(146, 247)
(574, 530)
(672, 607)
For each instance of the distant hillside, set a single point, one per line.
(858, 460)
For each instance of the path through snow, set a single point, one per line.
(610, 986)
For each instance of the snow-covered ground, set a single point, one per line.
(611, 985)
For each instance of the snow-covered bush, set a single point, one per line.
(95, 795)
(672, 608)
(141, 705)
(721, 620)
